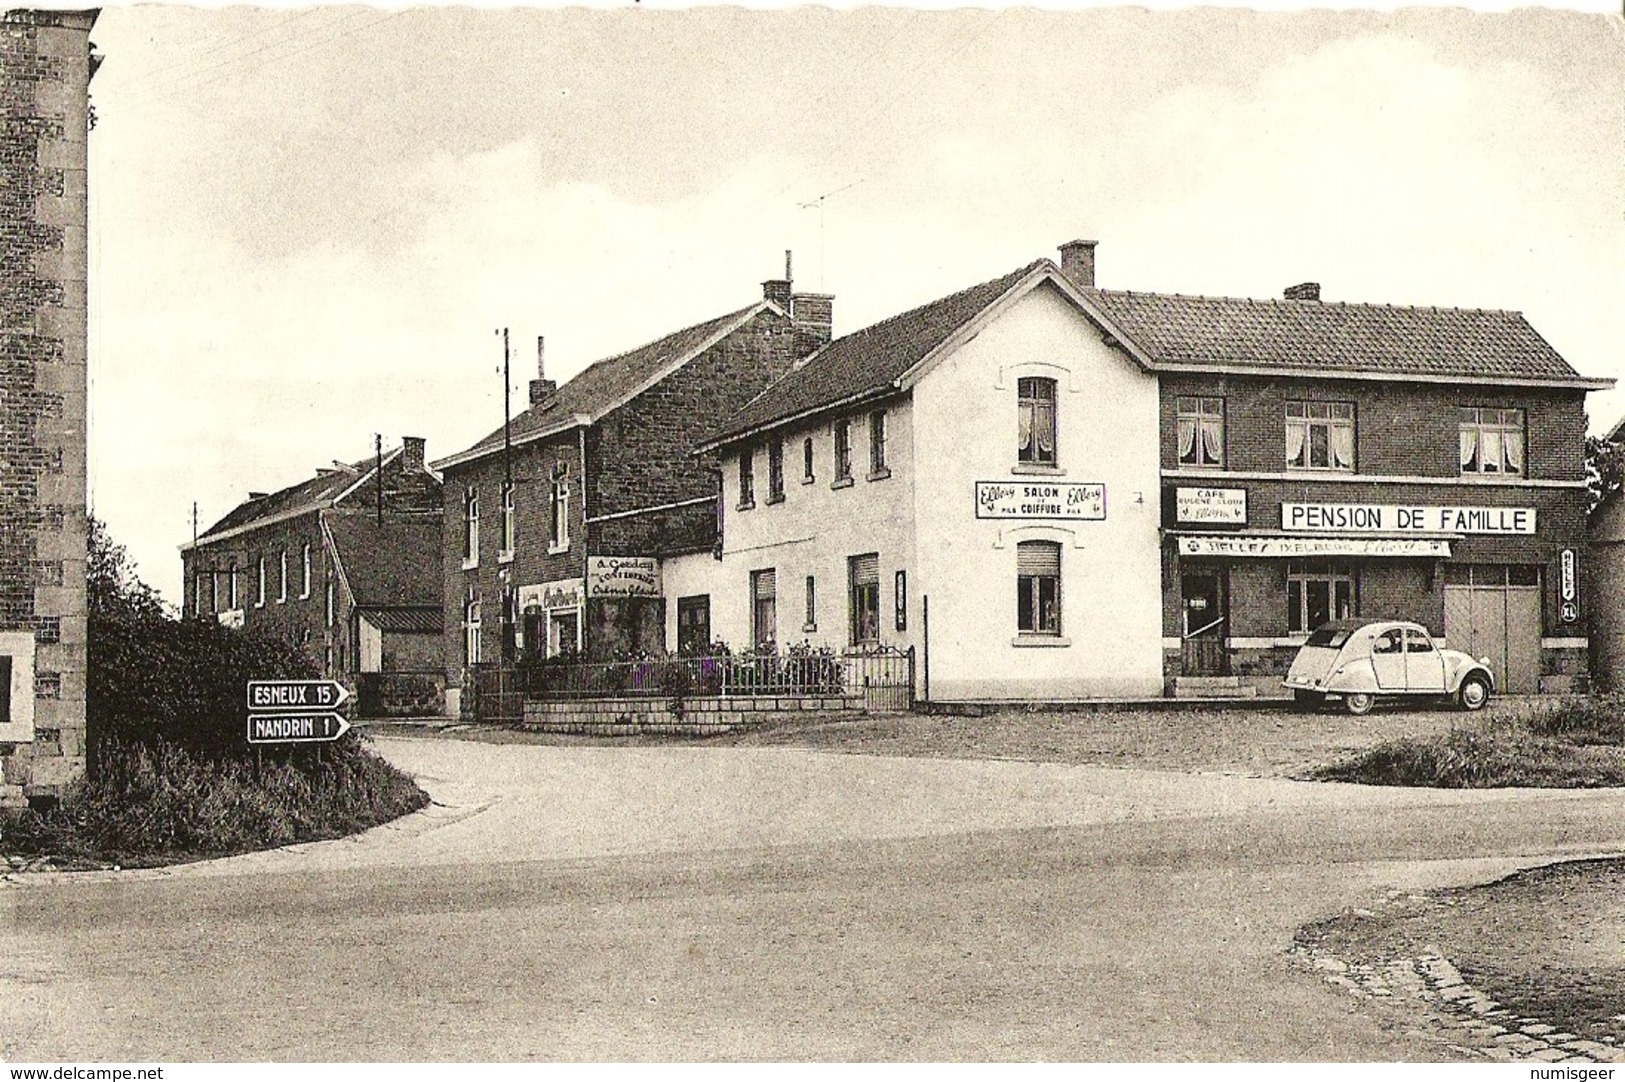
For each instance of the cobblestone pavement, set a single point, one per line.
(1471, 1023)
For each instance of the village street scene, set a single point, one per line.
(793, 535)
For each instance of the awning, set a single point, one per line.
(1294, 547)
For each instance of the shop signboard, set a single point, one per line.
(623, 576)
(1041, 500)
(1305, 547)
(1405, 518)
(1568, 590)
(558, 594)
(1210, 506)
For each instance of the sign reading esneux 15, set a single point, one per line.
(1398, 518)
(298, 711)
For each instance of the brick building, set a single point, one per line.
(557, 525)
(1322, 460)
(345, 564)
(45, 68)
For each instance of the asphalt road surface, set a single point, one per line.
(696, 903)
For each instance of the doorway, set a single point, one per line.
(1203, 624)
(1493, 611)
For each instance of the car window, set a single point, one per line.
(1417, 643)
(1389, 642)
(1328, 636)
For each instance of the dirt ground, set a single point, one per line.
(1265, 741)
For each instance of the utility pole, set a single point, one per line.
(194, 525)
(507, 412)
(378, 473)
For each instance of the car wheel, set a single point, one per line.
(1474, 693)
(1359, 703)
(1307, 702)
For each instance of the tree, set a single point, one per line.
(1605, 469)
(113, 590)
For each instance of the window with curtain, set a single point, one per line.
(1038, 587)
(471, 525)
(877, 444)
(807, 460)
(1035, 401)
(1492, 441)
(863, 573)
(843, 450)
(1320, 435)
(775, 470)
(1201, 432)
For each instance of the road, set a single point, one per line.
(698, 903)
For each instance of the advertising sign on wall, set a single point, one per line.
(1041, 499)
(1298, 547)
(1404, 518)
(1568, 590)
(559, 594)
(623, 576)
(1210, 506)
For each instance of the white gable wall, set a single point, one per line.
(965, 431)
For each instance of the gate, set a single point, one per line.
(499, 694)
(1494, 611)
(884, 674)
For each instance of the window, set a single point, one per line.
(199, 583)
(694, 625)
(863, 572)
(775, 470)
(811, 622)
(1492, 441)
(508, 631)
(332, 600)
(807, 461)
(747, 478)
(843, 452)
(558, 532)
(1320, 435)
(506, 552)
(1035, 397)
(305, 589)
(259, 585)
(1201, 432)
(901, 600)
(1038, 588)
(231, 585)
(5, 689)
(1318, 591)
(877, 446)
(1417, 643)
(471, 627)
(764, 608)
(1391, 641)
(471, 526)
(282, 577)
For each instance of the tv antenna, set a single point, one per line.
(818, 205)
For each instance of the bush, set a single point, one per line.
(1590, 720)
(1496, 756)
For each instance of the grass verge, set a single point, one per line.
(1576, 744)
(158, 803)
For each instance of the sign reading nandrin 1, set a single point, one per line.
(623, 576)
(1399, 518)
(1040, 499)
(295, 728)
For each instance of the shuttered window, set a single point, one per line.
(764, 607)
(864, 572)
(1038, 587)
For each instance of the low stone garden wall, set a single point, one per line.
(701, 716)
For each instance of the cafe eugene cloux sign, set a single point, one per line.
(1404, 519)
(1042, 499)
(623, 576)
(1210, 506)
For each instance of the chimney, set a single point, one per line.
(412, 454)
(258, 495)
(813, 317)
(1303, 291)
(541, 386)
(1078, 262)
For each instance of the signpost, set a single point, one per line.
(296, 711)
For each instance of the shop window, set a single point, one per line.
(764, 608)
(877, 446)
(807, 477)
(747, 478)
(1201, 432)
(1035, 397)
(558, 530)
(508, 524)
(811, 622)
(1318, 592)
(1038, 588)
(775, 470)
(843, 453)
(471, 627)
(471, 526)
(863, 574)
(564, 632)
(1492, 442)
(1320, 435)
(694, 625)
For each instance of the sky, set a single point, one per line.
(308, 224)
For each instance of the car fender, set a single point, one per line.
(1474, 669)
(1461, 666)
(1353, 675)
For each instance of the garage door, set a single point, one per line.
(1493, 611)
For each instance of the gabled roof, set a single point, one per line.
(396, 564)
(323, 490)
(1320, 338)
(420, 620)
(872, 362)
(607, 384)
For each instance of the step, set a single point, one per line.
(1209, 681)
(1184, 689)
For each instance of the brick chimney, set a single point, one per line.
(1303, 291)
(541, 386)
(813, 317)
(1078, 262)
(412, 454)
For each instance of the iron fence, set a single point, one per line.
(883, 676)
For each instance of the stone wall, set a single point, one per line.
(700, 716)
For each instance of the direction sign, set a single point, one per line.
(309, 727)
(296, 694)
